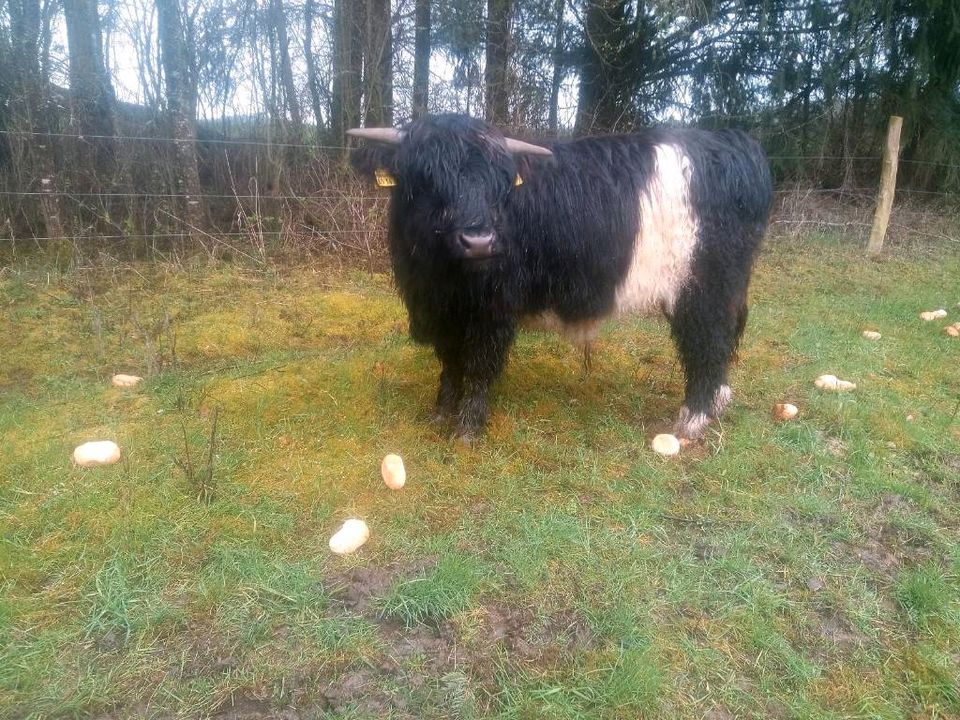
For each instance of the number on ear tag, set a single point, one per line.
(384, 179)
(518, 180)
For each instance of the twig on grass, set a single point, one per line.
(202, 483)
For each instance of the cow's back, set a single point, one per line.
(617, 224)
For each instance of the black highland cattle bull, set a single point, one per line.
(488, 234)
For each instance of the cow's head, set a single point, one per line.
(451, 176)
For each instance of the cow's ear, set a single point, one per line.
(375, 163)
(528, 167)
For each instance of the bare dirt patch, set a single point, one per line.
(884, 548)
(246, 707)
(414, 658)
(206, 655)
(875, 556)
(525, 637)
(833, 627)
(358, 589)
(719, 713)
(951, 462)
(362, 690)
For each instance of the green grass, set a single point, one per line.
(557, 569)
(437, 596)
(925, 595)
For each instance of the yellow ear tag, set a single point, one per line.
(384, 179)
(518, 180)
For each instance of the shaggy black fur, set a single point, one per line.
(563, 242)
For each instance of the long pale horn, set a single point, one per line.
(387, 135)
(519, 146)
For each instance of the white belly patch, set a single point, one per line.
(581, 333)
(663, 249)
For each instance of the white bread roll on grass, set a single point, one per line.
(351, 535)
(96, 453)
(832, 382)
(785, 411)
(393, 472)
(125, 381)
(665, 444)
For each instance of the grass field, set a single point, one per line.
(556, 569)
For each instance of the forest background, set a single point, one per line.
(136, 125)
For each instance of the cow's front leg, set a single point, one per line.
(450, 391)
(484, 356)
(474, 409)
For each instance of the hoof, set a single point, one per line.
(439, 417)
(691, 425)
(721, 399)
(466, 436)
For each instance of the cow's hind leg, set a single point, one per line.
(706, 327)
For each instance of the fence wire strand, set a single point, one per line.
(196, 141)
(249, 233)
(383, 198)
(321, 146)
(170, 196)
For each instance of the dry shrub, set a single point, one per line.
(918, 220)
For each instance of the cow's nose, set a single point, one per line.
(477, 244)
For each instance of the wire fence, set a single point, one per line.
(841, 191)
(269, 143)
(202, 196)
(181, 141)
(377, 199)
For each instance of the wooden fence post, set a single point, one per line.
(888, 184)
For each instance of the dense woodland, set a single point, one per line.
(141, 120)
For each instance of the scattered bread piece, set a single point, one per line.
(124, 381)
(97, 452)
(952, 330)
(393, 472)
(785, 411)
(351, 535)
(832, 382)
(933, 314)
(665, 444)
(871, 335)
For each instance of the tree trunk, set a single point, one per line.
(91, 95)
(286, 68)
(313, 81)
(181, 109)
(495, 74)
(600, 105)
(33, 111)
(557, 78)
(378, 64)
(347, 65)
(421, 59)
